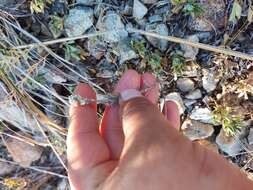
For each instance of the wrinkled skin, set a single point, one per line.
(138, 147)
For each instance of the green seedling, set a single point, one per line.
(56, 25)
(177, 63)
(38, 6)
(139, 47)
(72, 52)
(154, 60)
(193, 8)
(230, 123)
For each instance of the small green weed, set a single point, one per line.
(72, 52)
(193, 8)
(153, 59)
(139, 47)
(38, 6)
(230, 123)
(189, 7)
(56, 25)
(178, 61)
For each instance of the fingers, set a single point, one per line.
(172, 114)
(150, 86)
(111, 126)
(85, 147)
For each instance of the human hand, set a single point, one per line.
(137, 147)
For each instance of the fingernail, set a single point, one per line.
(129, 94)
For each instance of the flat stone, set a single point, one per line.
(161, 29)
(203, 115)
(13, 114)
(6, 168)
(125, 51)
(139, 10)
(175, 96)
(23, 153)
(185, 84)
(78, 21)
(229, 144)
(196, 130)
(196, 94)
(189, 51)
(209, 80)
(112, 22)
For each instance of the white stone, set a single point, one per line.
(209, 80)
(174, 96)
(185, 84)
(139, 10)
(195, 130)
(202, 114)
(230, 145)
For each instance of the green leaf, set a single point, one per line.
(236, 12)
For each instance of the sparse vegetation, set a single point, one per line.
(230, 123)
(56, 25)
(38, 6)
(71, 51)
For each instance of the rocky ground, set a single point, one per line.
(214, 91)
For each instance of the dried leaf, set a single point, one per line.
(236, 12)
(250, 14)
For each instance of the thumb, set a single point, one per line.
(144, 126)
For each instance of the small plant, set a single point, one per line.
(56, 25)
(72, 52)
(38, 6)
(177, 63)
(193, 8)
(190, 7)
(153, 59)
(15, 183)
(139, 47)
(230, 123)
(40, 78)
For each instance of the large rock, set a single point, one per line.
(203, 115)
(189, 51)
(23, 153)
(139, 10)
(229, 144)
(196, 130)
(185, 84)
(175, 97)
(213, 17)
(112, 22)
(161, 29)
(78, 21)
